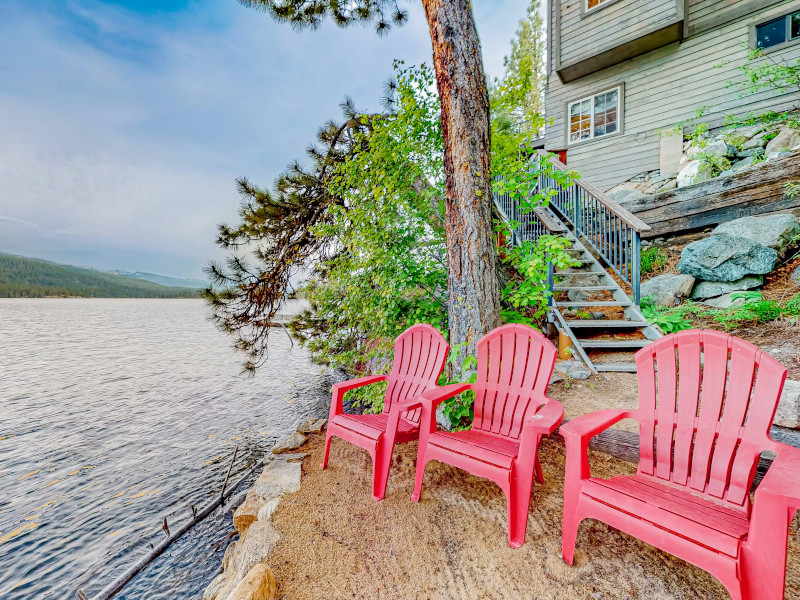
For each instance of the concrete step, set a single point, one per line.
(614, 344)
(615, 367)
(590, 303)
(610, 323)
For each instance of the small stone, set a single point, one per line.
(312, 425)
(667, 289)
(257, 545)
(290, 442)
(786, 139)
(757, 141)
(668, 185)
(788, 414)
(781, 154)
(555, 378)
(795, 276)
(597, 315)
(740, 135)
(572, 369)
(247, 513)
(278, 477)
(258, 584)
(725, 301)
(695, 171)
(712, 289)
(774, 231)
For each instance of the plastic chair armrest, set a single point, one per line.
(339, 390)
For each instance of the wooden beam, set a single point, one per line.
(755, 191)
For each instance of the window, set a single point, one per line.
(778, 31)
(590, 4)
(594, 116)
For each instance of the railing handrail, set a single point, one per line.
(627, 217)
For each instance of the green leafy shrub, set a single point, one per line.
(668, 319)
(653, 259)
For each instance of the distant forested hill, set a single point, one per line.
(22, 277)
(195, 284)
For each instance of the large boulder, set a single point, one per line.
(712, 289)
(726, 258)
(774, 231)
(786, 139)
(667, 290)
(696, 171)
(788, 414)
(627, 197)
(258, 584)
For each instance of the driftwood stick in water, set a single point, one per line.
(228, 474)
(289, 335)
(115, 587)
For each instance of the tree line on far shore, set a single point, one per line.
(22, 277)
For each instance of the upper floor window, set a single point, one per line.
(590, 4)
(595, 116)
(778, 31)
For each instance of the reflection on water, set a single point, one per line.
(115, 414)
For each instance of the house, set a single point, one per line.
(623, 73)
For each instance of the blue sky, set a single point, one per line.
(124, 123)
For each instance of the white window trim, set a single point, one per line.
(620, 103)
(585, 10)
(777, 47)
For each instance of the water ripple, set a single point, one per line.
(115, 414)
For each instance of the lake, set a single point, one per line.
(116, 414)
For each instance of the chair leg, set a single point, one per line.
(418, 479)
(328, 437)
(518, 503)
(381, 464)
(539, 474)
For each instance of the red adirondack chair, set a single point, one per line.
(512, 413)
(419, 356)
(706, 404)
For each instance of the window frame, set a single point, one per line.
(620, 89)
(786, 16)
(585, 10)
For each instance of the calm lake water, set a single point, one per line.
(115, 414)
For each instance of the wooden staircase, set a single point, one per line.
(590, 303)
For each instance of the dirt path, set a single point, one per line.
(336, 542)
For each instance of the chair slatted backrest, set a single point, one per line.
(706, 403)
(419, 356)
(515, 363)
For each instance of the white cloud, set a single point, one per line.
(123, 132)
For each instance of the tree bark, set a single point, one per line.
(474, 298)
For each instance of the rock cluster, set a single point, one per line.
(245, 573)
(729, 151)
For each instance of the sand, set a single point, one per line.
(336, 542)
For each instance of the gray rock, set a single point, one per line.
(725, 301)
(740, 135)
(737, 166)
(668, 289)
(597, 315)
(278, 477)
(312, 425)
(716, 149)
(795, 276)
(757, 141)
(695, 171)
(781, 154)
(712, 289)
(774, 231)
(668, 185)
(572, 369)
(290, 442)
(257, 545)
(752, 152)
(627, 197)
(787, 138)
(726, 258)
(788, 414)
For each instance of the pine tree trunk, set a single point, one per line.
(474, 307)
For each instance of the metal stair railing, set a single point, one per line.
(609, 229)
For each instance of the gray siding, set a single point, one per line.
(662, 88)
(607, 27)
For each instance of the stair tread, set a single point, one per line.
(577, 323)
(584, 288)
(595, 303)
(614, 343)
(566, 273)
(616, 367)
